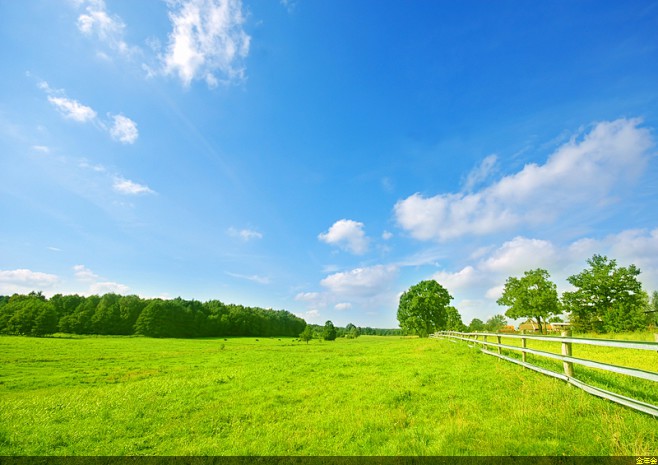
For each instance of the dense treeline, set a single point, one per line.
(113, 314)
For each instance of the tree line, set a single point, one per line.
(605, 298)
(113, 314)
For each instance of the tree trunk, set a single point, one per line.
(541, 330)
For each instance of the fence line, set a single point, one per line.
(568, 360)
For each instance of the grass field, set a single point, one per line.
(367, 396)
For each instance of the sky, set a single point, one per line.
(322, 157)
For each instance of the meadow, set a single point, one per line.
(245, 396)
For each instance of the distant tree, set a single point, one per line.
(495, 323)
(476, 325)
(454, 320)
(607, 297)
(532, 296)
(329, 331)
(307, 334)
(422, 308)
(351, 331)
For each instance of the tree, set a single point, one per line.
(607, 297)
(351, 331)
(476, 325)
(422, 308)
(532, 296)
(329, 331)
(495, 323)
(454, 320)
(307, 334)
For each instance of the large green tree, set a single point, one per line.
(607, 297)
(423, 308)
(533, 295)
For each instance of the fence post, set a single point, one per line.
(500, 351)
(566, 350)
(524, 343)
(485, 342)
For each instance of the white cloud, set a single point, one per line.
(107, 287)
(127, 187)
(108, 28)
(459, 280)
(207, 40)
(386, 235)
(83, 273)
(72, 109)
(361, 282)
(23, 281)
(342, 306)
(120, 127)
(521, 254)
(244, 234)
(348, 235)
(480, 173)
(580, 172)
(124, 129)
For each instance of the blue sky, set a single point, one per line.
(322, 157)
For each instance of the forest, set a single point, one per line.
(113, 314)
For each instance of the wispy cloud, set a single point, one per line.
(348, 235)
(124, 129)
(127, 187)
(41, 148)
(254, 278)
(244, 234)
(107, 28)
(97, 284)
(580, 172)
(480, 173)
(119, 127)
(207, 42)
(72, 109)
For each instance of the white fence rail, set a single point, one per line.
(568, 360)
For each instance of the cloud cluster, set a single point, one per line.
(347, 235)
(581, 172)
(482, 281)
(207, 39)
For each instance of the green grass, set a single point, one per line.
(640, 389)
(368, 396)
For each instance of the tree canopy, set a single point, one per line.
(533, 295)
(607, 297)
(422, 309)
(329, 331)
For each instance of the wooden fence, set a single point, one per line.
(568, 360)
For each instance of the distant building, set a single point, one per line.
(531, 325)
